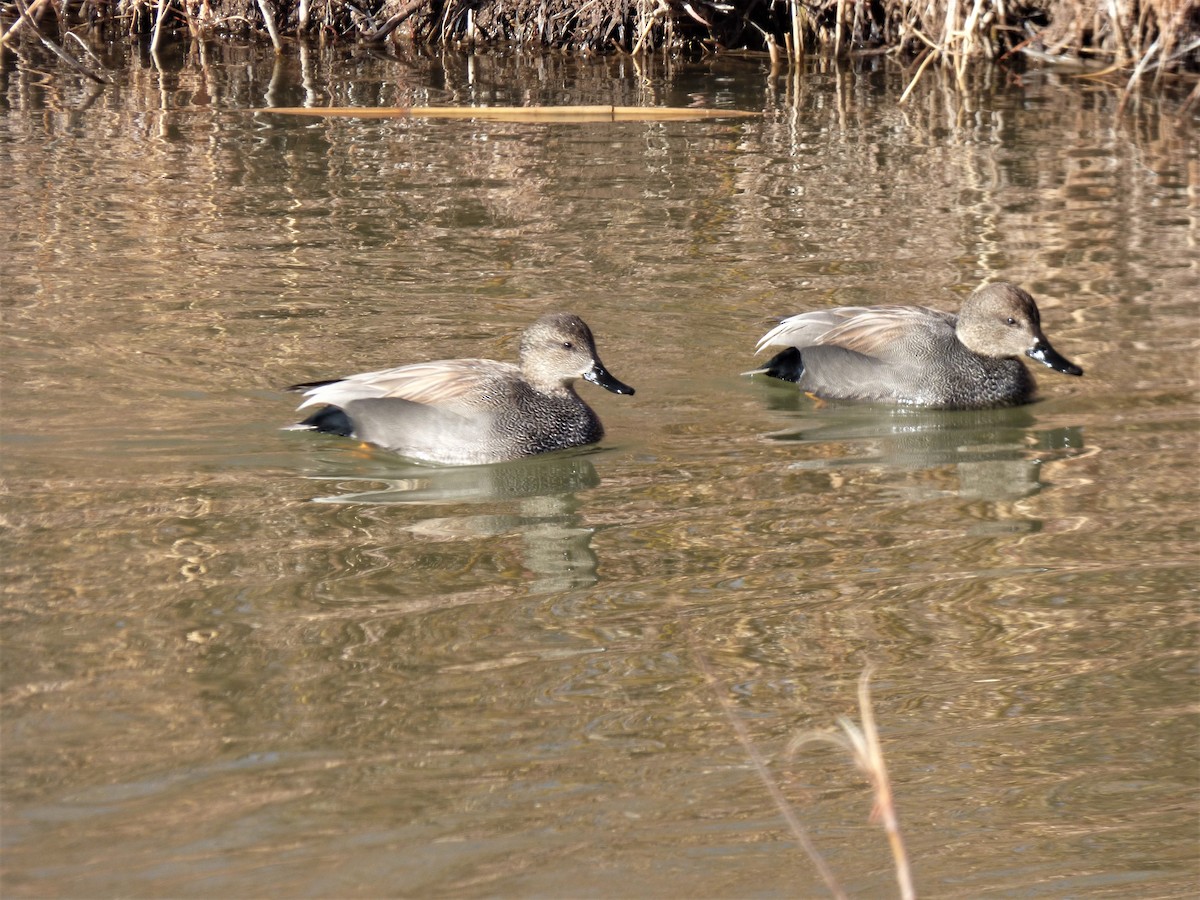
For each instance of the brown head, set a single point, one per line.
(557, 349)
(1001, 320)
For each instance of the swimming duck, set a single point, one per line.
(472, 411)
(916, 355)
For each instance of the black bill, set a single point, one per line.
(599, 375)
(1048, 356)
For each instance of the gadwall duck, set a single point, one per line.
(472, 411)
(917, 355)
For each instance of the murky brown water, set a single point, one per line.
(244, 662)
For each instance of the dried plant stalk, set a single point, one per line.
(864, 746)
(516, 113)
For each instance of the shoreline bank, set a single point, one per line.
(1125, 42)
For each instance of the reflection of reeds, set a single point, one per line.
(1142, 38)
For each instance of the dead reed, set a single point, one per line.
(862, 742)
(516, 113)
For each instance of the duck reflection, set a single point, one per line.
(537, 496)
(997, 453)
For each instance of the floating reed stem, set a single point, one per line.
(515, 113)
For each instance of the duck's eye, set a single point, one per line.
(1012, 321)
(567, 345)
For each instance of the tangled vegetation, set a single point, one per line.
(1137, 38)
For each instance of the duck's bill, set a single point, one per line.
(599, 375)
(1048, 356)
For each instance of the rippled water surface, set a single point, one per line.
(240, 661)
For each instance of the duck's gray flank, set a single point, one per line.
(917, 355)
(470, 411)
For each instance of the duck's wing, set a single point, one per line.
(869, 330)
(444, 383)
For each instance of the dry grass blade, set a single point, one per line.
(159, 17)
(54, 48)
(269, 19)
(863, 745)
(16, 26)
(514, 113)
(395, 21)
(660, 10)
(930, 56)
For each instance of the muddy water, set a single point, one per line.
(240, 661)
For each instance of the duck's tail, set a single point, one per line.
(786, 366)
(327, 419)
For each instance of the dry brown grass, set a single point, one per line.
(1135, 39)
